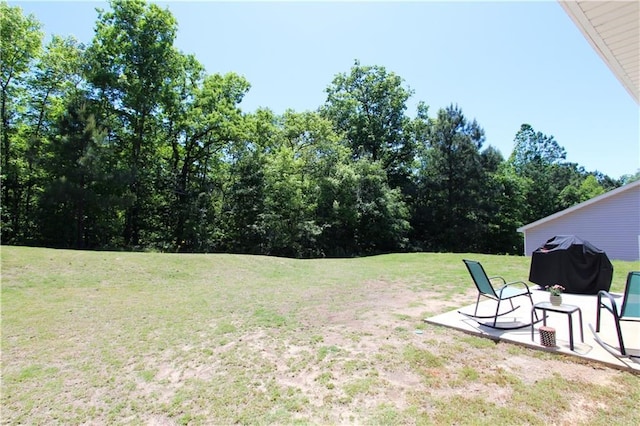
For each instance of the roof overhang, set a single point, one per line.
(612, 29)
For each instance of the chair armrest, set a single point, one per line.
(498, 278)
(518, 282)
(613, 308)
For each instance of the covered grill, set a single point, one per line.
(577, 265)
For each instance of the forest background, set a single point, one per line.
(128, 143)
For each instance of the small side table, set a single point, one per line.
(563, 309)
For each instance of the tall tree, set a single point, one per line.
(382, 214)
(131, 59)
(56, 80)
(288, 207)
(20, 44)
(241, 223)
(504, 206)
(535, 149)
(359, 213)
(368, 105)
(579, 189)
(72, 202)
(451, 182)
(243, 205)
(321, 150)
(208, 119)
(539, 158)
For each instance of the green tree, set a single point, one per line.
(534, 149)
(56, 77)
(539, 158)
(449, 213)
(337, 210)
(382, 215)
(359, 213)
(368, 105)
(290, 229)
(626, 179)
(54, 81)
(321, 150)
(302, 152)
(130, 62)
(78, 208)
(209, 119)
(579, 190)
(505, 206)
(241, 224)
(20, 44)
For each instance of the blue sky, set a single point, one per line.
(503, 63)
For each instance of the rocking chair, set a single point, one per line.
(629, 311)
(504, 292)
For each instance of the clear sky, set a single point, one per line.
(503, 63)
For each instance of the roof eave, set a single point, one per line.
(600, 42)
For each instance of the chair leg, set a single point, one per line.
(598, 314)
(534, 311)
(477, 302)
(616, 319)
(619, 330)
(495, 317)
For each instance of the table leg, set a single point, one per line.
(532, 311)
(570, 331)
(581, 330)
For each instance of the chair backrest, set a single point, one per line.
(631, 302)
(480, 277)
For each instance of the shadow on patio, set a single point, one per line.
(590, 349)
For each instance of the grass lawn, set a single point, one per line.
(143, 338)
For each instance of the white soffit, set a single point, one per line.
(612, 29)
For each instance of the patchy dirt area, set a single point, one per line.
(358, 353)
(360, 337)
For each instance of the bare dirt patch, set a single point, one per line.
(238, 340)
(363, 326)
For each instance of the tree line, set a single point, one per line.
(128, 143)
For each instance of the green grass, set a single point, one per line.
(144, 338)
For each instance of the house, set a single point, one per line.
(612, 28)
(610, 221)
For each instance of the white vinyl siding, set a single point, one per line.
(609, 222)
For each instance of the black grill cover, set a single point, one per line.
(575, 264)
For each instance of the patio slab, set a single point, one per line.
(590, 349)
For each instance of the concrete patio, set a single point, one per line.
(590, 349)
